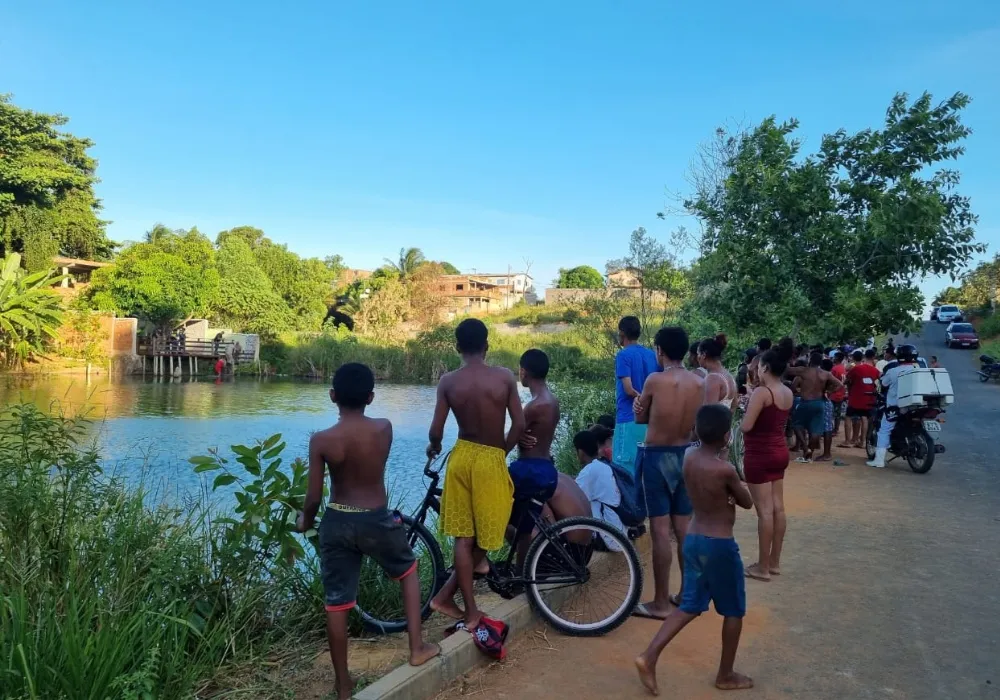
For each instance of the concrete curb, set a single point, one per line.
(459, 655)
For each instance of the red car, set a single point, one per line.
(961, 335)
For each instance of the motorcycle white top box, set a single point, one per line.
(924, 387)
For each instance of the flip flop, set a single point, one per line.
(642, 611)
(749, 572)
(803, 460)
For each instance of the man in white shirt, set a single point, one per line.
(890, 356)
(907, 359)
(597, 482)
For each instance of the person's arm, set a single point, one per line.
(643, 401)
(739, 491)
(314, 489)
(623, 370)
(436, 433)
(833, 385)
(516, 414)
(527, 440)
(753, 410)
(795, 371)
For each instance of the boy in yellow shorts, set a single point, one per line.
(478, 493)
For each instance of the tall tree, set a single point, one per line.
(579, 277)
(247, 300)
(162, 282)
(409, 260)
(46, 187)
(832, 243)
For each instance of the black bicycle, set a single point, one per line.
(580, 574)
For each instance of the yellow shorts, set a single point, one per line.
(478, 495)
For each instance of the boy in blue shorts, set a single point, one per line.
(357, 522)
(713, 569)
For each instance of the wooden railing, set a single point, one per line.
(189, 348)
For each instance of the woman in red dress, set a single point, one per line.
(766, 459)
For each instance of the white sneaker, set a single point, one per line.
(879, 461)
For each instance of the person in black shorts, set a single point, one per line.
(358, 523)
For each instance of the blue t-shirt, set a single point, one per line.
(635, 362)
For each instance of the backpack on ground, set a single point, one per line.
(632, 509)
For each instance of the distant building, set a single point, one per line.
(516, 286)
(350, 276)
(76, 274)
(471, 294)
(624, 278)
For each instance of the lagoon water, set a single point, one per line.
(149, 428)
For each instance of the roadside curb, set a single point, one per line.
(458, 656)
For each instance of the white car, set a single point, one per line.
(948, 314)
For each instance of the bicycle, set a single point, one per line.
(565, 571)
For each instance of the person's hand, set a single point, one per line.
(527, 441)
(300, 523)
(637, 406)
(433, 450)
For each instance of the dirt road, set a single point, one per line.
(890, 587)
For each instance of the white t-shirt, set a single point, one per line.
(598, 482)
(880, 365)
(890, 380)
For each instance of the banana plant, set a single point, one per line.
(30, 312)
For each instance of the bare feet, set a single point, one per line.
(775, 570)
(733, 681)
(447, 608)
(823, 458)
(754, 571)
(424, 654)
(647, 674)
(483, 568)
(846, 445)
(345, 690)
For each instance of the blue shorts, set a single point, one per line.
(661, 470)
(533, 478)
(811, 416)
(713, 571)
(626, 443)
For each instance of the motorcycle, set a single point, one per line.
(910, 437)
(990, 369)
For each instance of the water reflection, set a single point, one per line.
(151, 428)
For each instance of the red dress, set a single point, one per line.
(766, 453)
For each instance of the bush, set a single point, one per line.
(989, 327)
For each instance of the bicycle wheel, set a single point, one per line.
(576, 588)
(380, 599)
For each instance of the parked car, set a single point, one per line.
(949, 313)
(934, 312)
(961, 335)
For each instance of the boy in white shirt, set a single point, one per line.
(597, 481)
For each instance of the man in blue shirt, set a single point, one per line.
(633, 364)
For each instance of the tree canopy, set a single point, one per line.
(833, 242)
(409, 260)
(579, 277)
(47, 202)
(247, 298)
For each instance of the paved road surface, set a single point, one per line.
(890, 586)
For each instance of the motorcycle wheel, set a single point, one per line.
(984, 377)
(870, 439)
(920, 452)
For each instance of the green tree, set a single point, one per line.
(30, 312)
(163, 282)
(661, 284)
(46, 187)
(832, 243)
(580, 277)
(449, 269)
(409, 260)
(948, 295)
(247, 301)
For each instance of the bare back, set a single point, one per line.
(710, 483)
(355, 451)
(479, 396)
(813, 383)
(670, 400)
(541, 417)
(569, 501)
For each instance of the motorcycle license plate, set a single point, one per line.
(932, 426)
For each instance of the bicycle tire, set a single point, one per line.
(382, 596)
(537, 599)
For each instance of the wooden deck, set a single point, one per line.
(201, 349)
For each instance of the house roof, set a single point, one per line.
(79, 264)
(502, 274)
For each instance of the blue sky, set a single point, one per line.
(482, 133)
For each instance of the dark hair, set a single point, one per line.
(712, 423)
(870, 353)
(714, 347)
(602, 433)
(630, 327)
(535, 363)
(693, 350)
(857, 356)
(586, 442)
(826, 364)
(607, 420)
(471, 335)
(353, 383)
(815, 359)
(750, 354)
(764, 344)
(839, 356)
(786, 349)
(933, 357)
(672, 342)
(890, 351)
(775, 362)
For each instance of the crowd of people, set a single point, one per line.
(672, 432)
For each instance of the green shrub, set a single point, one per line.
(989, 326)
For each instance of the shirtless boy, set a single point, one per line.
(812, 384)
(713, 569)
(478, 493)
(668, 403)
(357, 522)
(533, 472)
